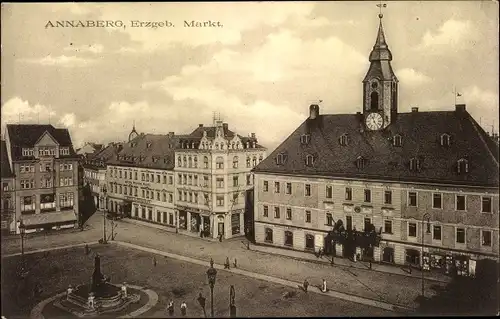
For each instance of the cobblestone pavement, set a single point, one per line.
(391, 288)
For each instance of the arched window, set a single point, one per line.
(305, 138)
(235, 162)
(360, 162)
(205, 162)
(190, 161)
(219, 162)
(374, 101)
(462, 166)
(260, 158)
(288, 238)
(237, 145)
(179, 161)
(445, 140)
(248, 161)
(216, 146)
(397, 140)
(309, 160)
(268, 235)
(185, 161)
(414, 164)
(232, 145)
(196, 162)
(254, 161)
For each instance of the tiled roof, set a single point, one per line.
(197, 134)
(26, 135)
(420, 132)
(148, 150)
(5, 165)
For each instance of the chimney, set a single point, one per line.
(225, 126)
(414, 109)
(120, 147)
(253, 135)
(313, 111)
(460, 107)
(200, 125)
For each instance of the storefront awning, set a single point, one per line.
(46, 219)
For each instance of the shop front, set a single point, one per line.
(195, 223)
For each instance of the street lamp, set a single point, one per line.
(427, 217)
(22, 232)
(211, 274)
(333, 252)
(232, 305)
(105, 191)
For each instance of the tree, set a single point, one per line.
(87, 205)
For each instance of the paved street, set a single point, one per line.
(390, 288)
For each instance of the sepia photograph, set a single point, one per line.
(249, 159)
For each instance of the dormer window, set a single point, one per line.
(344, 140)
(165, 160)
(309, 160)
(148, 145)
(155, 159)
(397, 140)
(132, 144)
(445, 140)
(305, 138)
(415, 164)
(462, 166)
(281, 159)
(360, 162)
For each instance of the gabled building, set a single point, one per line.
(45, 166)
(89, 148)
(427, 181)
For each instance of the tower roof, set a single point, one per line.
(380, 50)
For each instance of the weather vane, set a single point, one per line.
(380, 6)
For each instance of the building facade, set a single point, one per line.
(213, 175)
(45, 166)
(7, 212)
(427, 181)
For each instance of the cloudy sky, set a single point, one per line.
(260, 70)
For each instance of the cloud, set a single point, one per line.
(451, 35)
(91, 48)
(63, 61)
(410, 77)
(68, 120)
(17, 110)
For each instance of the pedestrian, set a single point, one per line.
(248, 245)
(220, 238)
(170, 308)
(323, 286)
(226, 264)
(69, 291)
(183, 308)
(201, 233)
(235, 265)
(320, 252)
(306, 284)
(154, 261)
(409, 267)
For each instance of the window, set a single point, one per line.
(235, 181)
(309, 242)
(412, 199)
(348, 193)
(120, 173)
(436, 232)
(135, 175)
(220, 182)
(170, 180)
(360, 162)
(254, 161)
(205, 181)
(195, 182)
(344, 140)
(266, 211)
(387, 226)
(308, 216)
(205, 162)
(460, 238)
(462, 166)
(329, 191)
(235, 162)
(388, 197)
(288, 188)
(486, 204)
(460, 202)
(268, 235)
(220, 200)
(289, 214)
(397, 140)
(437, 200)
(135, 191)
(248, 161)
(219, 162)
(66, 200)
(305, 138)
(249, 180)
(27, 204)
(158, 178)
(486, 238)
(309, 160)
(190, 180)
(368, 196)
(445, 140)
(288, 238)
(308, 190)
(190, 162)
(235, 198)
(414, 164)
(329, 219)
(195, 159)
(276, 187)
(143, 177)
(280, 159)
(276, 212)
(412, 230)
(184, 161)
(266, 186)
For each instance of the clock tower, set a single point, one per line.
(380, 86)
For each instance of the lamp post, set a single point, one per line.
(22, 232)
(232, 305)
(105, 191)
(211, 274)
(333, 252)
(427, 217)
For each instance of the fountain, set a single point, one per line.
(98, 297)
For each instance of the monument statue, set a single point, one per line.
(98, 279)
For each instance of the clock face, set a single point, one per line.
(374, 121)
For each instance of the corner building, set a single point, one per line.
(428, 181)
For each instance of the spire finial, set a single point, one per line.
(133, 125)
(380, 6)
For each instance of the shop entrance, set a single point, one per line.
(221, 230)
